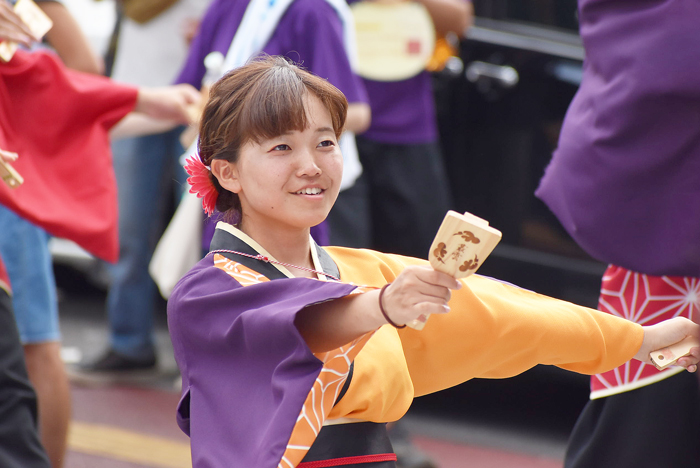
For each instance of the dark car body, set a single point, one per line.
(499, 122)
(499, 119)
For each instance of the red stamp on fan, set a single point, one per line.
(413, 47)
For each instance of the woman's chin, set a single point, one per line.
(315, 221)
(317, 215)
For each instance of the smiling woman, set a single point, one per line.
(260, 104)
(285, 361)
(287, 182)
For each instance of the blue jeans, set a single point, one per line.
(24, 249)
(145, 168)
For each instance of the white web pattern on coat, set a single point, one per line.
(685, 303)
(245, 276)
(323, 394)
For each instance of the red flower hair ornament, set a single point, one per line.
(201, 183)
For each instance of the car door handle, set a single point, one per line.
(504, 75)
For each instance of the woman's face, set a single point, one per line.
(290, 181)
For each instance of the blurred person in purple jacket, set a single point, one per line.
(312, 33)
(403, 193)
(625, 183)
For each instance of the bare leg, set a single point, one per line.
(48, 376)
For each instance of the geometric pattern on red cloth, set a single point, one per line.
(645, 300)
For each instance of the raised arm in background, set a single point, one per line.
(68, 40)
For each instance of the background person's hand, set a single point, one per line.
(173, 103)
(8, 156)
(12, 28)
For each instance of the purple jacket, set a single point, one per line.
(625, 178)
(310, 33)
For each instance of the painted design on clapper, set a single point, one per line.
(441, 252)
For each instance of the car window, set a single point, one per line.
(558, 14)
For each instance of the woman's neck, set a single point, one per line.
(293, 247)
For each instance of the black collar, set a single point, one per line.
(224, 240)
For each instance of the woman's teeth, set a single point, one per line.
(309, 191)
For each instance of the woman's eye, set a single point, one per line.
(327, 143)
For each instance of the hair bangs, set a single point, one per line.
(276, 106)
(259, 101)
(336, 104)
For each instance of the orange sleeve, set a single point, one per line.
(495, 330)
(380, 389)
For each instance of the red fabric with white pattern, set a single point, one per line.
(645, 300)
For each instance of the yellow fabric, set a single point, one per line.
(494, 330)
(443, 51)
(320, 399)
(381, 389)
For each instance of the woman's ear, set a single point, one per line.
(227, 175)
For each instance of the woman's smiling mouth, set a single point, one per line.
(310, 191)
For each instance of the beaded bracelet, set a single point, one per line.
(381, 308)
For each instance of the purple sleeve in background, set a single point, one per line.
(625, 178)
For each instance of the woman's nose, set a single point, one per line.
(308, 166)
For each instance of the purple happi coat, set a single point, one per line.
(625, 178)
(208, 313)
(254, 394)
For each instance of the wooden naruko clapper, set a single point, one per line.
(463, 243)
(460, 247)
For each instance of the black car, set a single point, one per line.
(500, 111)
(499, 119)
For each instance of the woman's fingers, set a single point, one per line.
(437, 278)
(8, 156)
(426, 291)
(419, 291)
(426, 281)
(409, 293)
(429, 308)
(690, 361)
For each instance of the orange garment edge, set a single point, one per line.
(328, 384)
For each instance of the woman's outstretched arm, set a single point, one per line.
(416, 291)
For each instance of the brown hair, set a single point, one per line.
(260, 100)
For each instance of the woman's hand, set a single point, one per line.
(418, 291)
(667, 333)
